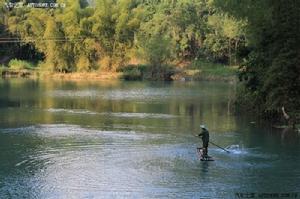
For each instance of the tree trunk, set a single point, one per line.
(235, 53)
(229, 46)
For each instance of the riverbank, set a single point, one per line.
(191, 71)
(6, 72)
(82, 75)
(197, 70)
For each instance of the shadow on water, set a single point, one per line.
(205, 168)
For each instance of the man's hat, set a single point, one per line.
(202, 126)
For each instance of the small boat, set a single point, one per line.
(203, 157)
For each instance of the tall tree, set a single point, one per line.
(271, 72)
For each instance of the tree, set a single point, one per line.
(56, 53)
(156, 51)
(271, 71)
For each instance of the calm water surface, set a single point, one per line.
(61, 139)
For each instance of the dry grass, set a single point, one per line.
(83, 75)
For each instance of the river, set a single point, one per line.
(114, 139)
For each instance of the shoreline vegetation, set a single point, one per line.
(164, 40)
(195, 71)
(191, 71)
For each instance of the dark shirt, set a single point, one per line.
(205, 135)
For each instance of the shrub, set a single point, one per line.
(133, 72)
(16, 64)
(208, 68)
(3, 68)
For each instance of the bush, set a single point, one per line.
(16, 64)
(156, 51)
(83, 64)
(130, 67)
(133, 72)
(3, 68)
(208, 68)
(140, 72)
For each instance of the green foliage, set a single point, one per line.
(133, 72)
(213, 69)
(15, 64)
(271, 71)
(224, 38)
(156, 51)
(81, 37)
(3, 69)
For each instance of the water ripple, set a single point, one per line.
(114, 114)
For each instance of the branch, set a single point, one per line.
(286, 116)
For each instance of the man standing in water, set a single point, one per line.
(205, 139)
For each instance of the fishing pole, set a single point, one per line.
(219, 147)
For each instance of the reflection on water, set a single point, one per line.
(134, 140)
(138, 115)
(208, 102)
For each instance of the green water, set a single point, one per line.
(62, 139)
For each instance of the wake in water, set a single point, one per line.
(233, 147)
(236, 149)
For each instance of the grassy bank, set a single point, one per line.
(203, 70)
(81, 75)
(148, 72)
(191, 71)
(18, 68)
